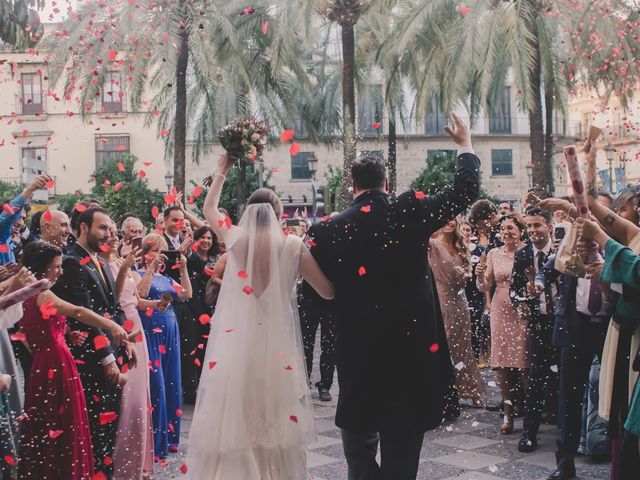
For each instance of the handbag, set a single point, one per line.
(211, 291)
(567, 259)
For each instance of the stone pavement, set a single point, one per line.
(470, 448)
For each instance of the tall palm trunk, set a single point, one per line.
(536, 136)
(392, 153)
(548, 138)
(348, 110)
(180, 131)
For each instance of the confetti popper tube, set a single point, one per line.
(579, 193)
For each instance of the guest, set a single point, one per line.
(87, 282)
(508, 329)
(505, 208)
(194, 335)
(131, 227)
(133, 452)
(163, 340)
(55, 440)
(55, 228)
(483, 217)
(537, 307)
(451, 266)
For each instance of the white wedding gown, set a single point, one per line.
(253, 417)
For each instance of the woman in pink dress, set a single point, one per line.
(55, 440)
(451, 265)
(508, 328)
(133, 453)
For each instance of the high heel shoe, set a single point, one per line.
(507, 423)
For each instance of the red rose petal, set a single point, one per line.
(197, 191)
(366, 209)
(85, 260)
(420, 195)
(434, 348)
(49, 184)
(294, 148)
(121, 166)
(128, 325)
(247, 289)
(162, 349)
(80, 208)
(362, 271)
(100, 342)
(107, 460)
(50, 374)
(55, 433)
(155, 211)
(293, 418)
(117, 186)
(376, 125)
(183, 468)
(212, 364)
(10, 460)
(243, 274)
(204, 319)
(463, 10)
(197, 362)
(164, 133)
(47, 216)
(8, 209)
(18, 337)
(107, 417)
(286, 135)
(99, 476)
(178, 412)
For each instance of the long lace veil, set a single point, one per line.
(253, 400)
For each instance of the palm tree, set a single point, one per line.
(19, 24)
(201, 64)
(463, 57)
(346, 13)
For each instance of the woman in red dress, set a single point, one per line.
(55, 440)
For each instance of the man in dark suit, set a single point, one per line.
(189, 326)
(538, 308)
(88, 282)
(582, 314)
(392, 360)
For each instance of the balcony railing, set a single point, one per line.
(614, 132)
(483, 126)
(24, 107)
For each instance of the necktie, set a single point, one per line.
(96, 262)
(540, 258)
(548, 307)
(595, 298)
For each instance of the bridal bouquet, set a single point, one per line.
(245, 139)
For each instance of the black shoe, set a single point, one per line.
(528, 443)
(562, 474)
(324, 395)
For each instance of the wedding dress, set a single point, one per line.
(253, 417)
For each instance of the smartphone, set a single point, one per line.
(292, 222)
(136, 243)
(173, 257)
(559, 233)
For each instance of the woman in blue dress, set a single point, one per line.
(163, 340)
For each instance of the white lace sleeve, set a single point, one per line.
(10, 316)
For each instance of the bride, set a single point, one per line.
(253, 417)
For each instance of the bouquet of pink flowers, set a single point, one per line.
(245, 139)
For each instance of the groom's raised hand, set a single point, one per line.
(459, 133)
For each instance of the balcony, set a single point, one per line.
(613, 132)
(29, 109)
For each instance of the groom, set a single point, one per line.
(392, 356)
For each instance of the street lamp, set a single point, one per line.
(529, 168)
(168, 181)
(609, 150)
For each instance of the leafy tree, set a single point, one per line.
(8, 191)
(333, 188)
(19, 24)
(66, 202)
(228, 199)
(438, 174)
(121, 189)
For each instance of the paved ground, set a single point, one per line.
(470, 448)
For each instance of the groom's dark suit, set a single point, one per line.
(392, 358)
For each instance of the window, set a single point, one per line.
(500, 117)
(31, 93)
(110, 148)
(501, 162)
(111, 93)
(370, 110)
(300, 129)
(379, 154)
(34, 163)
(435, 120)
(300, 166)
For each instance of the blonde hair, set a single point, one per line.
(151, 240)
(460, 246)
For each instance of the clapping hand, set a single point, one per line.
(7, 271)
(20, 280)
(459, 133)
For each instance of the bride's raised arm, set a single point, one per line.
(217, 220)
(310, 271)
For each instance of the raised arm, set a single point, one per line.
(438, 209)
(83, 315)
(616, 226)
(310, 271)
(218, 221)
